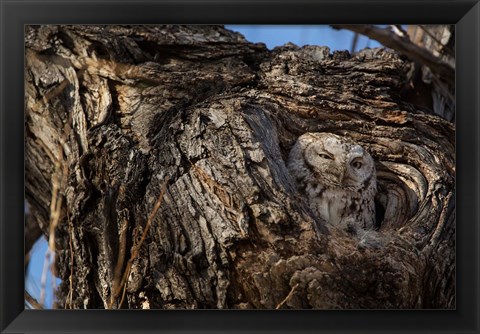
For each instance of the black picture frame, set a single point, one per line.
(15, 14)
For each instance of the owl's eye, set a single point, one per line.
(325, 156)
(357, 164)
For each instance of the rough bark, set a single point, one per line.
(198, 122)
(431, 49)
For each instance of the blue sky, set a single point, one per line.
(324, 35)
(272, 36)
(33, 281)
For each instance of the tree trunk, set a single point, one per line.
(155, 156)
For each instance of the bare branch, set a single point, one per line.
(405, 47)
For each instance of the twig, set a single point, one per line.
(32, 301)
(354, 42)
(122, 248)
(58, 180)
(290, 294)
(439, 42)
(69, 298)
(136, 248)
(43, 280)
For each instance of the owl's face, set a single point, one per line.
(336, 161)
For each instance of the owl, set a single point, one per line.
(338, 178)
